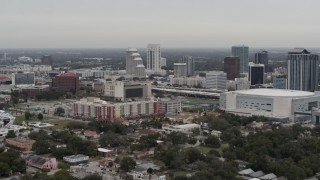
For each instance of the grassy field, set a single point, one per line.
(59, 123)
(19, 119)
(200, 101)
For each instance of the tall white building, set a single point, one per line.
(243, 53)
(134, 63)
(216, 80)
(154, 57)
(189, 60)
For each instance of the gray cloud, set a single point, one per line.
(173, 23)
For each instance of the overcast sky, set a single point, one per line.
(172, 23)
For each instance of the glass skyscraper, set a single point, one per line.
(243, 53)
(303, 68)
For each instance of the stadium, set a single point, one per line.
(288, 105)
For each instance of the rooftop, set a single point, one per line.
(132, 49)
(179, 64)
(69, 75)
(275, 92)
(299, 51)
(76, 156)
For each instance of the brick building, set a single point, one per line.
(231, 66)
(68, 82)
(33, 91)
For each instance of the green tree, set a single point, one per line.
(62, 175)
(93, 177)
(4, 170)
(11, 134)
(127, 163)
(177, 138)
(64, 166)
(111, 139)
(27, 115)
(212, 141)
(40, 116)
(59, 111)
(41, 146)
(192, 155)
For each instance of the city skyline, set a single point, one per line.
(186, 24)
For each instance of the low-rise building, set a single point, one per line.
(20, 143)
(169, 106)
(42, 163)
(195, 81)
(33, 91)
(76, 159)
(184, 128)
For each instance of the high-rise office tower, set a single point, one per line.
(256, 73)
(231, 66)
(243, 53)
(134, 63)
(261, 57)
(180, 69)
(190, 64)
(302, 70)
(153, 57)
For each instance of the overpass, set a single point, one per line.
(189, 92)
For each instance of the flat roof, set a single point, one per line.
(274, 92)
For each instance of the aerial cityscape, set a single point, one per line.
(167, 90)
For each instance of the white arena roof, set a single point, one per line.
(275, 92)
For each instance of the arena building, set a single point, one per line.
(279, 104)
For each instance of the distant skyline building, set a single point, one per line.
(163, 61)
(231, 66)
(46, 60)
(189, 60)
(262, 57)
(243, 53)
(180, 69)
(134, 63)
(154, 57)
(279, 82)
(303, 70)
(256, 73)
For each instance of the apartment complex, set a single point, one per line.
(92, 107)
(169, 106)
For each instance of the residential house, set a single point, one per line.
(41, 163)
